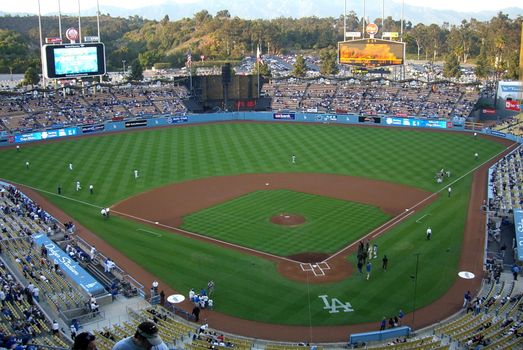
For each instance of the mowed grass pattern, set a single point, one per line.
(168, 155)
(330, 223)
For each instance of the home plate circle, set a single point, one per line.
(466, 275)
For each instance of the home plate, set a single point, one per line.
(156, 222)
(466, 275)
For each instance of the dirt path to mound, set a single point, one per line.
(449, 303)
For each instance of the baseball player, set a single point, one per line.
(135, 173)
(78, 187)
(70, 166)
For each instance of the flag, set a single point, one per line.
(258, 54)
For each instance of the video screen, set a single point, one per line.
(370, 52)
(74, 60)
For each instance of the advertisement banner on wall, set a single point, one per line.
(518, 223)
(68, 265)
(290, 116)
(419, 123)
(86, 129)
(177, 120)
(45, 135)
(136, 123)
(369, 120)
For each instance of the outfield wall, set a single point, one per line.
(151, 122)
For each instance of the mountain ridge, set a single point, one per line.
(250, 9)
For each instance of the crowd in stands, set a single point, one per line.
(506, 184)
(512, 125)
(88, 105)
(380, 97)
(96, 104)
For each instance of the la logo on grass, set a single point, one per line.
(335, 305)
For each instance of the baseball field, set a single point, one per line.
(207, 200)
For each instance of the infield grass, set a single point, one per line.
(330, 225)
(246, 286)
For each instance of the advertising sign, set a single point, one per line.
(92, 128)
(518, 225)
(136, 123)
(390, 35)
(53, 40)
(353, 34)
(291, 116)
(489, 111)
(512, 105)
(510, 89)
(369, 120)
(177, 120)
(371, 29)
(44, 135)
(497, 133)
(420, 123)
(68, 265)
(91, 39)
(72, 34)
(371, 52)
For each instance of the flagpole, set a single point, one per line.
(41, 43)
(258, 59)
(345, 21)
(79, 24)
(59, 19)
(363, 22)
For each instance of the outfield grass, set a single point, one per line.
(330, 225)
(164, 156)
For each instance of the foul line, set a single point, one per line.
(374, 232)
(207, 238)
(55, 194)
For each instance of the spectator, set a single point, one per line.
(85, 341)
(145, 337)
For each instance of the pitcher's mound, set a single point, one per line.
(287, 219)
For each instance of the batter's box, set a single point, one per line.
(318, 269)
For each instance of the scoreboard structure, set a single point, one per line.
(371, 52)
(73, 60)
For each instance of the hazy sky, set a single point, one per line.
(68, 6)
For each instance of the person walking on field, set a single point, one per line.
(450, 190)
(385, 262)
(429, 234)
(368, 268)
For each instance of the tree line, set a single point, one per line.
(493, 45)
